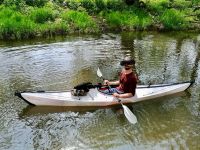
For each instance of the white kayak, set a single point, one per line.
(96, 98)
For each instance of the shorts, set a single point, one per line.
(110, 91)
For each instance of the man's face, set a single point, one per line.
(127, 66)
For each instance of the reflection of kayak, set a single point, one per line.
(31, 110)
(96, 98)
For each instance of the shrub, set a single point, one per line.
(89, 5)
(128, 20)
(79, 21)
(173, 19)
(42, 15)
(115, 4)
(57, 28)
(14, 25)
(1, 1)
(38, 3)
(17, 5)
(157, 7)
(100, 4)
(195, 2)
(72, 4)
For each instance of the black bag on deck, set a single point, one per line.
(82, 89)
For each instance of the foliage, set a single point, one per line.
(29, 18)
(180, 4)
(38, 3)
(100, 4)
(128, 20)
(72, 4)
(79, 21)
(14, 25)
(157, 7)
(173, 19)
(95, 6)
(195, 2)
(61, 2)
(14, 4)
(42, 15)
(57, 28)
(115, 5)
(89, 5)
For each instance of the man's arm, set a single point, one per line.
(111, 82)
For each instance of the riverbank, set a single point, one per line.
(24, 19)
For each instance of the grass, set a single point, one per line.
(79, 21)
(173, 19)
(52, 29)
(128, 20)
(14, 25)
(27, 19)
(42, 15)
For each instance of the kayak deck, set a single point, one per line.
(96, 98)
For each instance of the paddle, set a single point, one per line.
(129, 115)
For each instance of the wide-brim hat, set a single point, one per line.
(127, 60)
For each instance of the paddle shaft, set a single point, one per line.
(106, 84)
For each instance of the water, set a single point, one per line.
(171, 122)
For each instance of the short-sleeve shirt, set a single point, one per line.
(128, 83)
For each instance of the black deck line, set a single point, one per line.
(155, 86)
(20, 96)
(191, 83)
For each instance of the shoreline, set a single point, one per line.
(24, 21)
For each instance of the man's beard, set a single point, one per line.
(127, 67)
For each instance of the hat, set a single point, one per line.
(127, 60)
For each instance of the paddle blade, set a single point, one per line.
(99, 73)
(129, 115)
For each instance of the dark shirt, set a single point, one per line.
(128, 83)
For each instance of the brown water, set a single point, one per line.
(58, 64)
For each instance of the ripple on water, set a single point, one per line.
(166, 123)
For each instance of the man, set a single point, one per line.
(127, 83)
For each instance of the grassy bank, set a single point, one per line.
(28, 19)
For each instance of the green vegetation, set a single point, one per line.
(79, 21)
(21, 19)
(15, 25)
(127, 20)
(173, 19)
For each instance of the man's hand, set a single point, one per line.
(116, 95)
(106, 82)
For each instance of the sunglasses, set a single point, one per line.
(123, 63)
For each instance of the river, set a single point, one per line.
(60, 63)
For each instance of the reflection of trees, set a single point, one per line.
(128, 46)
(194, 73)
(150, 50)
(179, 37)
(83, 75)
(128, 42)
(160, 57)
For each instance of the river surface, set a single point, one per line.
(60, 63)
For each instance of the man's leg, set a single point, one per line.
(111, 91)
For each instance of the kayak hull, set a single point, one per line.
(96, 98)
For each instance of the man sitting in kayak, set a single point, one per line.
(127, 82)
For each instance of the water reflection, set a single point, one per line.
(59, 64)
